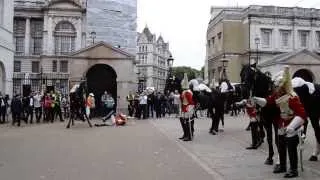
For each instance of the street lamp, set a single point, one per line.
(93, 35)
(257, 41)
(169, 80)
(225, 62)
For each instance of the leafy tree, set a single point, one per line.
(179, 71)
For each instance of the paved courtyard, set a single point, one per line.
(143, 150)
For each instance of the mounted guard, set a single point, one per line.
(291, 118)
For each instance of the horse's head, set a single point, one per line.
(254, 81)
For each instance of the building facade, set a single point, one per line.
(260, 33)
(114, 22)
(45, 32)
(51, 52)
(152, 55)
(6, 46)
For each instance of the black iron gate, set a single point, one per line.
(25, 83)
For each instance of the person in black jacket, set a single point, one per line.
(3, 109)
(16, 110)
(157, 104)
(150, 104)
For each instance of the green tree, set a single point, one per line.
(179, 71)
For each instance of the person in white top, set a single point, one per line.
(143, 100)
(37, 106)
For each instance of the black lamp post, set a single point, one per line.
(93, 35)
(169, 81)
(224, 62)
(257, 42)
(139, 82)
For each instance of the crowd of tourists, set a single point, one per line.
(150, 104)
(36, 107)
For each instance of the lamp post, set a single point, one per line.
(257, 42)
(224, 62)
(93, 35)
(169, 81)
(139, 83)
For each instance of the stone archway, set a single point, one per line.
(305, 74)
(100, 78)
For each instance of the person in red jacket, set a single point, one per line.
(187, 108)
(291, 118)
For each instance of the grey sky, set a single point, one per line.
(183, 23)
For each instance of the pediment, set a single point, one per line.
(63, 4)
(304, 58)
(102, 50)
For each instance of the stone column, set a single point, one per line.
(50, 42)
(27, 37)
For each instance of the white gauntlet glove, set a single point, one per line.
(260, 101)
(293, 127)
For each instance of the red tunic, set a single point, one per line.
(290, 108)
(186, 100)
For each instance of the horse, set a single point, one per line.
(77, 104)
(309, 95)
(256, 83)
(210, 99)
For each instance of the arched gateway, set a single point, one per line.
(100, 78)
(305, 74)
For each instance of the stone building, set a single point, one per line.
(51, 52)
(152, 55)
(44, 33)
(114, 22)
(6, 46)
(262, 33)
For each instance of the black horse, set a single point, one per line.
(310, 102)
(213, 102)
(259, 84)
(77, 104)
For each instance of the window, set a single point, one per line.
(208, 43)
(285, 38)
(318, 38)
(35, 67)
(36, 37)
(17, 66)
(64, 66)
(65, 36)
(219, 35)
(266, 37)
(54, 66)
(19, 35)
(213, 41)
(304, 35)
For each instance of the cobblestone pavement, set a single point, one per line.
(143, 150)
(225, 154)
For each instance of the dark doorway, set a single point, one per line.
(100, 78)
(304, 74)
(26, 90)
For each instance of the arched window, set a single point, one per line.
(64, 38)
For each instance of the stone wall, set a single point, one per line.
(114, 22)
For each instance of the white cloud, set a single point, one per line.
(184, 23)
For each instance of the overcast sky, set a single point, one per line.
(183, 23)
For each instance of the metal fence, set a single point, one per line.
(25, 83)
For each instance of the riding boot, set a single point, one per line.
(254, 135)
(183, 126)
(292, 144)
(282, 148)
(187, 132)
